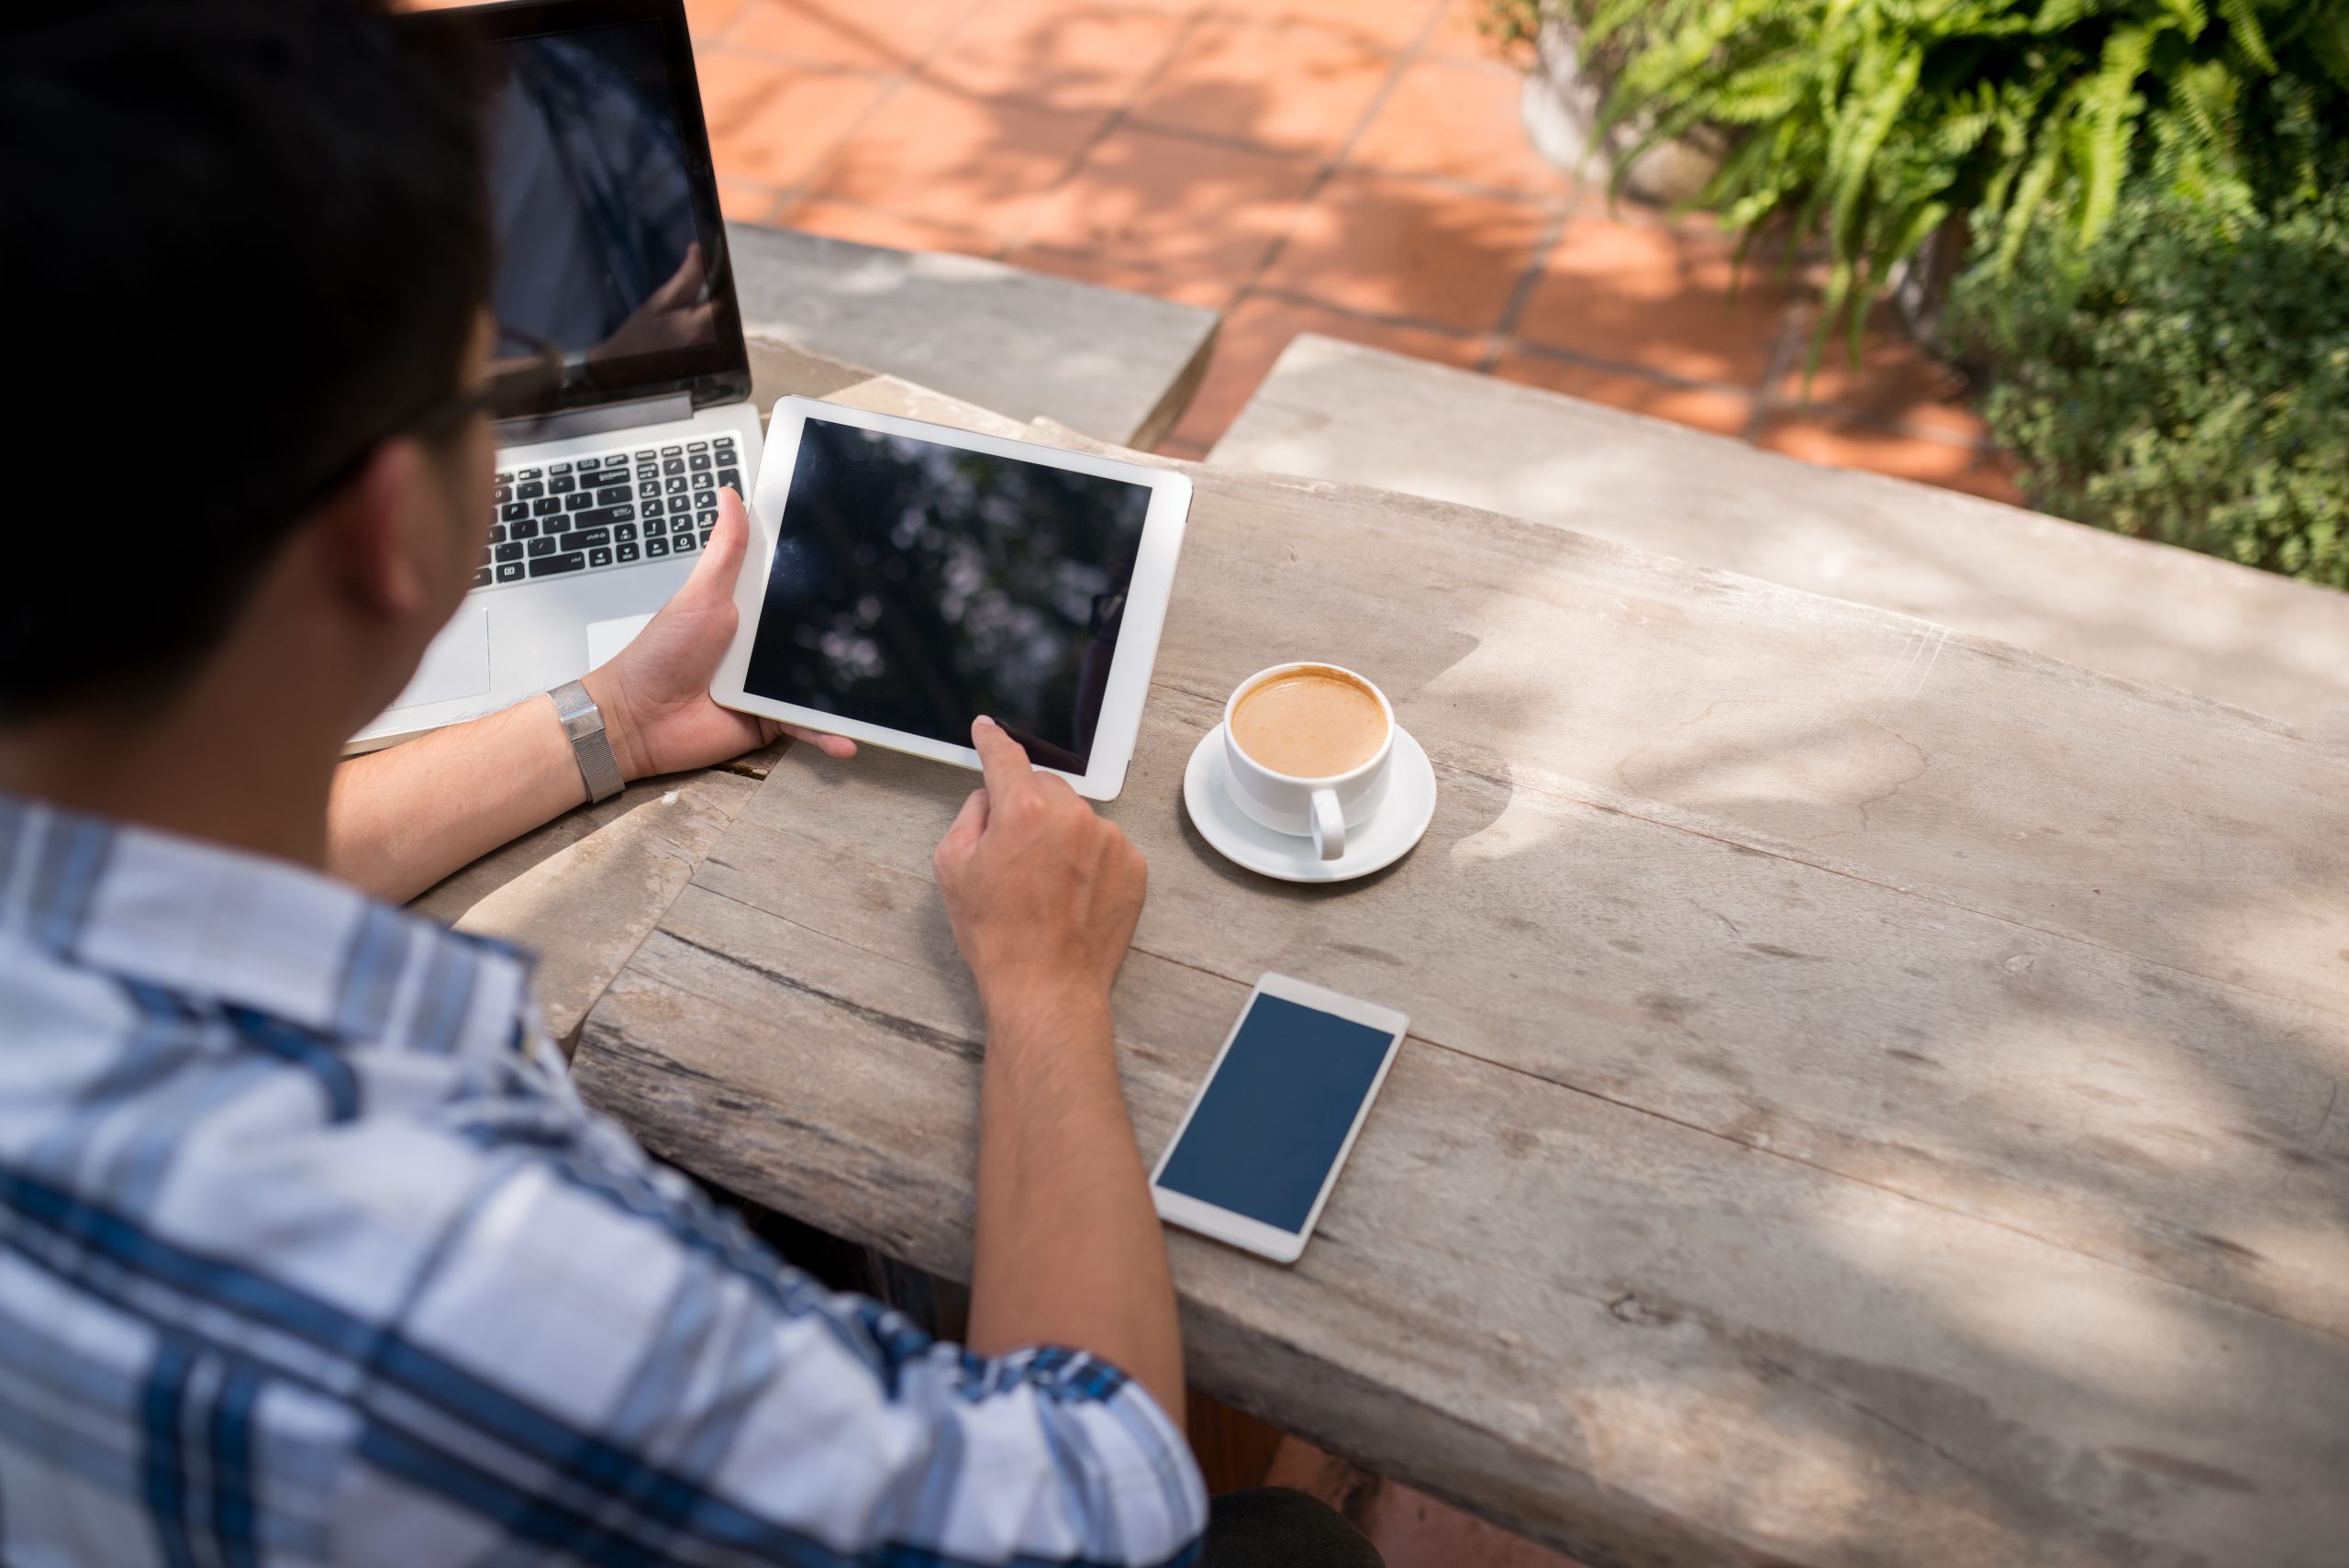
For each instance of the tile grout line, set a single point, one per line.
(1503, 331)
(892, 83)
(1791, 332)
(1329, 171)
(1117, 119)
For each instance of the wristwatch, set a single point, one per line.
(583, 722)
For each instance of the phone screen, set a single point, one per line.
(1276, 1115)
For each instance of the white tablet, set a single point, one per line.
(905, 578)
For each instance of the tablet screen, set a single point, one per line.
(917, 586)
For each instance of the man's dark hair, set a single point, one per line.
(240, 242)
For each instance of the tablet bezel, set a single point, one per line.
(1138, 633)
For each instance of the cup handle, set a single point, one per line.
(1328, 826)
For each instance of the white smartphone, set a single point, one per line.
(1258, 1152)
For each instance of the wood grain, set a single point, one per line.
(1871, 1096)
(1341, 411)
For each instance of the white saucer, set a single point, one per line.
(1379, 842)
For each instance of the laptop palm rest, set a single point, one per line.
(456, 665)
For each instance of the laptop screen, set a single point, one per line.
(610, 280)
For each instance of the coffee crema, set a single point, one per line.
(1309, 724)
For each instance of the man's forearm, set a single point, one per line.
(1069, 1249)
(399, 820)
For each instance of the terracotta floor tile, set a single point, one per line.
(744, 202)
(1457, 118)
(1146, 195)
(1408, 248)
(1410, 1528)
(1254, 332)
(967, 163)
(852, 34)
(775, 125)
(868, 225)
(1657, 296)
(1458, 36)
(1850, 443)
(1300, 88)
(1897, 381)
(1702, 408)
(1066, 54)
(1187, 286)
(1390, 24)
(708, 18)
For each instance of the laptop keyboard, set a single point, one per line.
(617, 509)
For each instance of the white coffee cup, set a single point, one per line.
(1324, 808)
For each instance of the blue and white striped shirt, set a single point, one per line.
(310, 1253)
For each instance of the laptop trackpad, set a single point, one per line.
(456, 665)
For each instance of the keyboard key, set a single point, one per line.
(672, 465)
(612, 496)
(546, 505)
(646, 454)
(653, 505)
(562, 484)
(510, 573)
(696, 446)
(498, 533)
(483, 577)
(511, 550)
(504, 494)
(681, 542)
(541, 546)
(674, 486)
(732, 478)
(513, 511)
(528, 473)
(671, 451)
(548, 565)
(699, 463)
(603, 515)
(584, 538)
(704, 535)
(624, 553)
(527, 529)
(599, 557)
(559, 521)
(557, 468)
(506, 476)
(656, 547)
(578, 501)
(705, 481)
(706, 515)
(655, 527)
(530, 490)
(624, 533)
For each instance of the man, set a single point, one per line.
(308, 1254)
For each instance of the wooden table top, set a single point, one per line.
(1871, 1094)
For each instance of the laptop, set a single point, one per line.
(623, 389)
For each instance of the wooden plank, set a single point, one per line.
(2133, 816)
(1625, 1337)
(1334, 410)
(584, 890)
(1118, 366)
(2077, 1093)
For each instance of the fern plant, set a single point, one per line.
(1870, 123)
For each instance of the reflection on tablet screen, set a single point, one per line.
(918, 586)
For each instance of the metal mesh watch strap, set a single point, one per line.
(583, 722)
